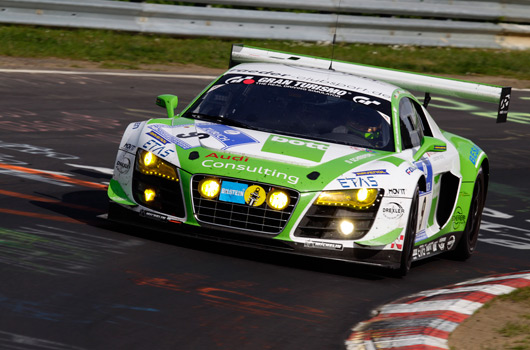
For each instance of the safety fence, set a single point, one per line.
(450, 23)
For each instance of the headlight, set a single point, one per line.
(278, 199)
(149, 164)
(362, 198)
(209, 188)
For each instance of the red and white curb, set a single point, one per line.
(423, 321)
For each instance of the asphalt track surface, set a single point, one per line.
(71, 280)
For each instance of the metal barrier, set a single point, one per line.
(356, 21)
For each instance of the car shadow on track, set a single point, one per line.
(90, 208)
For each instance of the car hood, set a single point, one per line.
(210, 148)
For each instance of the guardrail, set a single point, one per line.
(355, 22)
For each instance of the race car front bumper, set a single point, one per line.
(312, 248)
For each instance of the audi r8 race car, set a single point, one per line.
(309, 156)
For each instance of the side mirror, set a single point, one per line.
(169, 102)
(430, 144)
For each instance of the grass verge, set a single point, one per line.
(123, 50)
(502, 323)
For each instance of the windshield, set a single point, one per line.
(297, 108)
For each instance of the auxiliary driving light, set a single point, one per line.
(362, 198)
(149, 195)
(346, 227)
(209, 188)
(278, 199)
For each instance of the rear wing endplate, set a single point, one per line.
(407, 80)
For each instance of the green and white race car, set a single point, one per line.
(308, 156)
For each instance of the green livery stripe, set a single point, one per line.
(393, 160)
(384, 239)
(166, 121)
(117, 194)
(433, 211)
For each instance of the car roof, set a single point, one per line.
(318, 76)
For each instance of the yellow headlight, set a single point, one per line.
(149, 159)
(150, 164)
(359, 199)
(209, 188)
(278, 199)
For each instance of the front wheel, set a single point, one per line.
(469, 239)
(410, 235)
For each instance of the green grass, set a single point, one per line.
(520, 329)
(130, 50)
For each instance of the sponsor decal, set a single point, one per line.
(151, 215)
(157, 148)
(240, 79)
(157, 137)
(410, 170)
(365, 101)
(359, 158)
(123, 165)
(395, 191)
(398, 243)
(451, 242)
(309, 150)
(358, 182)
(260, 72)
(441, 243)
(233, 192)
(210, 163)
(365, 96)
(323, 245)
(371, 172)
(136, 125)
(227, 135)
(234, 158)
(255, 195)
(129, 147)
(420, 236)
(459, 219)
(393, 211)
(300, 85)
(473, 154)
(424, 250)
(275, 81)
(440, 148)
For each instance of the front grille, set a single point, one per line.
(261, 219)
(322, 222)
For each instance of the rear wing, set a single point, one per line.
(407, 80)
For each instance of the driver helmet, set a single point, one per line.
(367, 123)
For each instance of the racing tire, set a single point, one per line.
(410, 235)
(468, 242)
